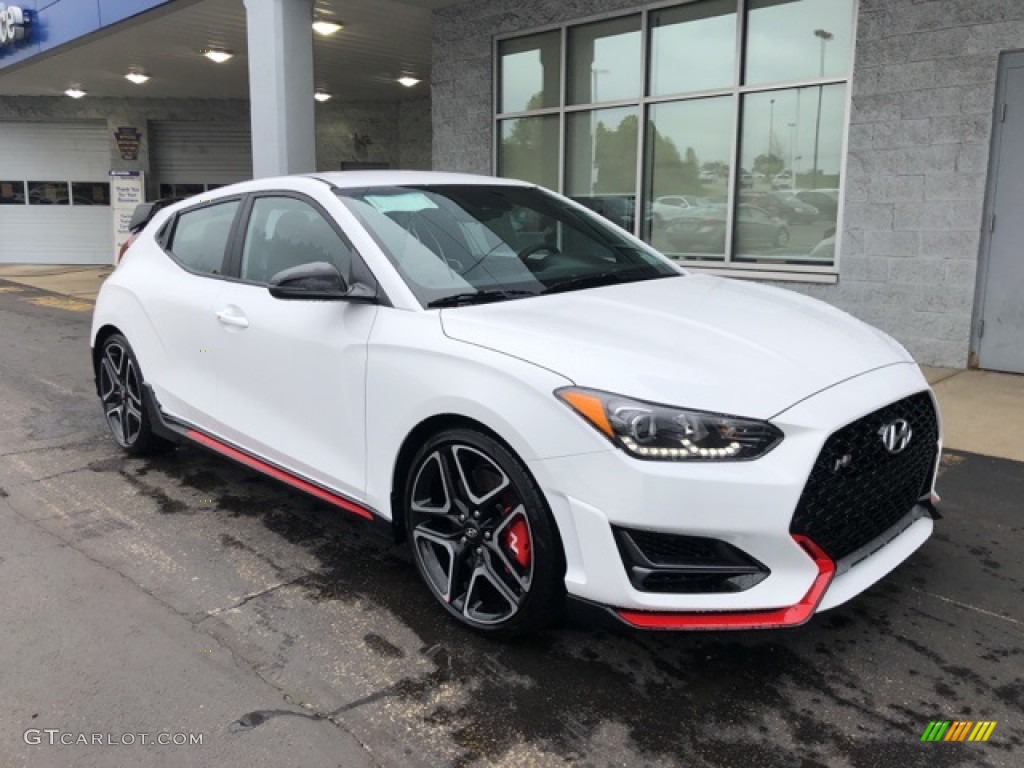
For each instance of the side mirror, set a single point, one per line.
(318, 281)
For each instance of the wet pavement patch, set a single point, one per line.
(855, 686)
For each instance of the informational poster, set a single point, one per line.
(127, 190)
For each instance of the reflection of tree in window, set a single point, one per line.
(616, 157)
(672, 175)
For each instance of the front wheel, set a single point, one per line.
(482, 536)
(121, 392)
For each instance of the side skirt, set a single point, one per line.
(179, 432)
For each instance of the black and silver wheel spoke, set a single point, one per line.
(441, 556)
(484, 586)
(471, 534)
(121, 394)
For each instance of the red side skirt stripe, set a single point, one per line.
(279, 474)
(781, 617)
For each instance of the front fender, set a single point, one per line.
(416, 373)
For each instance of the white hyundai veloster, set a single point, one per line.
(538, 402)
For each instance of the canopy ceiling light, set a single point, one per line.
(218, 55)
(74, 92)
(327, 28)
(137, 77)
(322, 96)
(408, 81)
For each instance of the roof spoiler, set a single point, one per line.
(144, 213)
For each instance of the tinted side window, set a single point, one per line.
(284, 232)
(201, 236)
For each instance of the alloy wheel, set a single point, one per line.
(121, 393)
(471, 534)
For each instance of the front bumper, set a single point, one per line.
(749, 505)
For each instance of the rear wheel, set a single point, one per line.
(121, 392)
(482, 536)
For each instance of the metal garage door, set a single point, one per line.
(192, 153)
(43, 220)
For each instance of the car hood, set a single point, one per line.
(695, 341)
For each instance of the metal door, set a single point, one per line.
(1000, 330)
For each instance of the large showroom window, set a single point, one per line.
(715, 129)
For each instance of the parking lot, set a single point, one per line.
(185, 594)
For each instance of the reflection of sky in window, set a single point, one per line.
(700, 54)
(522, 79)
(615, 70)
(703, 124)
(799, 108)
(781, 44)
(692, 55)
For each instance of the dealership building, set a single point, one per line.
(869, 153)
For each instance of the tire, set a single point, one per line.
(482, 536)
(122, 396)
(782, 238)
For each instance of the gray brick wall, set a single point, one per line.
(923, 94)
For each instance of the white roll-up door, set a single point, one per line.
(200, 153)
(45, 231)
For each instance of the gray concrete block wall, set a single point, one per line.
(920, 125)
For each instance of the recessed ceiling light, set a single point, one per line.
(322, 96)
(407, 81)
(74, 92)
(137, 77)
(326, 28)
(217, 55)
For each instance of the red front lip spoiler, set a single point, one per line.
(792, 616)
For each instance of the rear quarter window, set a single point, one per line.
(201, 235)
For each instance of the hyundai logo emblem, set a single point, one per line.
(896, 435)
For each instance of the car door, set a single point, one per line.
(293, 372)
(181, 298)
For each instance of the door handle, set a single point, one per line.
(227, 317)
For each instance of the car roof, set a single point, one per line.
(351, 179)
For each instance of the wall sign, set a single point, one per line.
(13, 25)
(127, 190)
(128, 140)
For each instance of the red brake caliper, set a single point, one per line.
(517, 541)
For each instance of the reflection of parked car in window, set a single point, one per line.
(746, 179)
(783, 180)
(825, 250)
(667, 208)
(618, 209)
(825, 200)
(703, 229)
(785, 205)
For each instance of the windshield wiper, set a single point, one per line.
(477, 297)
(608, 278)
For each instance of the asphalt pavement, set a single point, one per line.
(185, 595)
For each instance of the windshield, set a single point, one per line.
(462, 244)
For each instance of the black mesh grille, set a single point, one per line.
(670, 549)
(669, 562)
(857, 489)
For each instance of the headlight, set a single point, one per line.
(663, 433)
